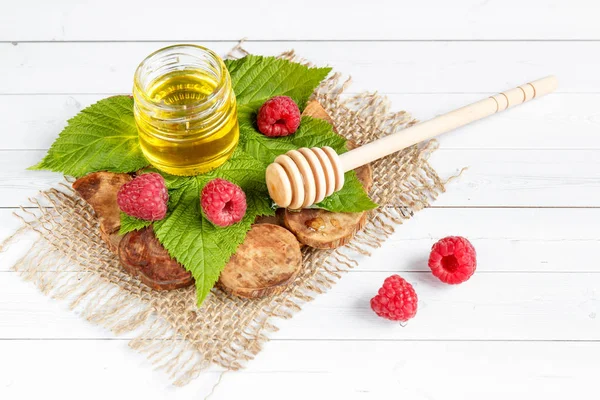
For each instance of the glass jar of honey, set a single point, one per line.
(185, 110)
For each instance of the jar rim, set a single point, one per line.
(154, 56)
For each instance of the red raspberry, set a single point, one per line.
(223, 202)
(145, 197)
(453, 259)
(279, 116)
(396, 300)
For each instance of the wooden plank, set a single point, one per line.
(506, 239)
(36, 120)
(549, 178)
(490, 306)
(16, 183)
(348, 370)
(387, 67)
(520, 178)
(378, 19)
(559, 121)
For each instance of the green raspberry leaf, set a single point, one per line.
(129, 223)
(102, 137)
(193, 240)
(258, 78)
(352, 197)
(311, 133)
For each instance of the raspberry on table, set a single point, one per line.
(278, 116)
(223, 202)
(453, 259)
(396, 300)
(145, 197)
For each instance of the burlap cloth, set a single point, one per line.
(69, 260)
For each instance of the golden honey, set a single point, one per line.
(185, 110)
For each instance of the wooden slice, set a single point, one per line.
(99, 190)
(265, 264)
(315, 109)
(112, 240)
(276, 219)
(328, 230)
(143, 256)
(324, 229)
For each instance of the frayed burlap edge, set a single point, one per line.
(68, 259)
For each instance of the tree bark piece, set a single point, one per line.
(265, 264)
(99, 190)
(142, 255)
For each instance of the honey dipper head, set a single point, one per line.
(278, 183)
(303, 177)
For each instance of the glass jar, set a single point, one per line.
(185, 110)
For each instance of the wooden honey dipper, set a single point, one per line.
(303, 177)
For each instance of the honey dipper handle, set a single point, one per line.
(446, 122)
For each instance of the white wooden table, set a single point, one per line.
(527, 325)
